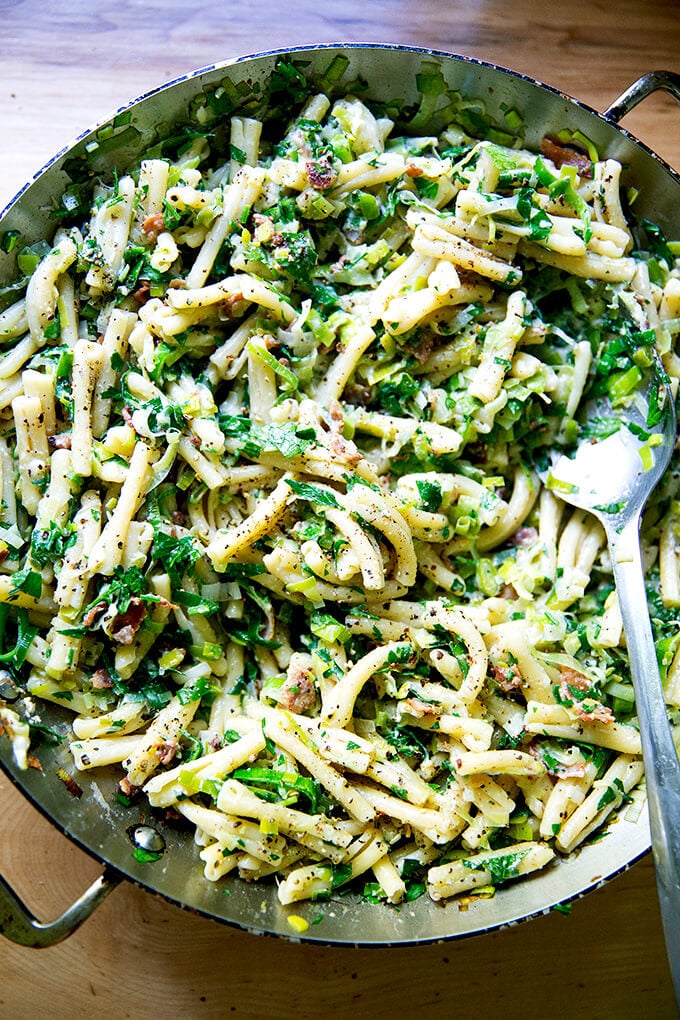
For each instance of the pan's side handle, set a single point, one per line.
(18, 924)
(653, 81)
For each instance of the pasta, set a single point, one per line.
(272, 527)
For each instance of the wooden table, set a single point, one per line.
(65, 65)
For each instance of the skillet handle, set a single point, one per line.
(18, 924)
(653, 81)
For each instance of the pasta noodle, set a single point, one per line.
(272, 530)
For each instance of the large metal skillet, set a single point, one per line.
(96, 821)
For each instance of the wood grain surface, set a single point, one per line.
(64, 65)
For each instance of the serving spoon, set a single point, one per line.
(612, 478)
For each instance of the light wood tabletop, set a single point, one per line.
(67, 64)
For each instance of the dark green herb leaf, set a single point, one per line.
(341, 874)
(657, 243)
(393, 396)
(204, 687)
(195, 604)
(501, 868)
(322, 497)
(28, 581)
(238, 155)
(9, 240)
(430, 495)
(146, 856)
(177, 555)
(536, 219)
(414, 890)
(48, 545)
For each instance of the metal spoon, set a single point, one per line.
(613, 478)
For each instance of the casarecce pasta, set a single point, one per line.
(274, 419)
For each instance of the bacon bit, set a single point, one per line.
(590, 710)
(571, 677)
(508, 678)
(508, 592)
(344, 449)
(62, 441)
(228, 304)
(69, 782)
(166, 752)
(355, 393)
(424, 349)
(125, 625)
(575, 771)
(129, 420)
(337, 267)
(420, 708)
(298, 693)
(525, 537)
(101, 679)
(4, 553)
(143, 293)
(127, 789)
(195, 441)
(178, 517)
(34, 763)
(477, 450)
(598, 713)
(562, 155)
(321, 174)
(124, 636)
(535, 751)
(413, 171)
(336, 415)
(91, 614)
(153, 225)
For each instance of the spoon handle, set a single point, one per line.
(662, 769)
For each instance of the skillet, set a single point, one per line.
(95, 820)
